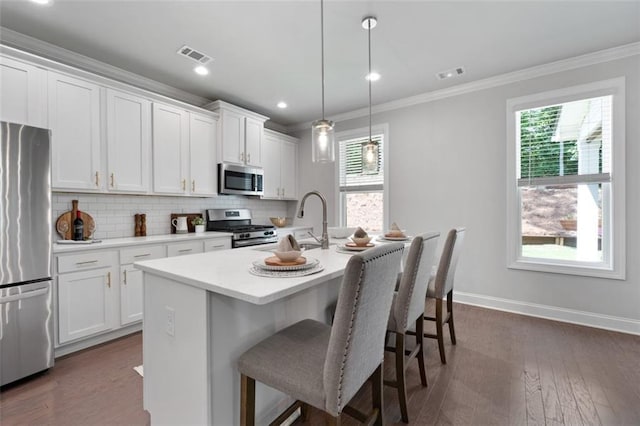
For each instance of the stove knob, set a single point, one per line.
(246, 235)
(268, 232)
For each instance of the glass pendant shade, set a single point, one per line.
(322, 141)
(370, 157)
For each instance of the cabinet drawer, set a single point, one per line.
(90, 260)
(181, 249)
(217, 244)
(135, 254)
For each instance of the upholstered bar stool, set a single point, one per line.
(324, 366)
(441, 286)
(407, 309)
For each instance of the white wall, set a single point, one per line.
(113, 214)
(448, 168)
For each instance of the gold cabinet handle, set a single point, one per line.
(193, 185)
(241, 156)
(125, 278)
(109, 279)
(283, 192)
(184, 184)
(248, 157)
(112, 180)
(97, 179)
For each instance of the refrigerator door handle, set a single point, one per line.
(25, 295)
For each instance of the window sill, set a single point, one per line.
(558, 268)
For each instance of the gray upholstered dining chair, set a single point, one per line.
(407, 310)
(324, 366)
(441, 286)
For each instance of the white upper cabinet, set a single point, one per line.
(128, 142)
(24, 93)
(170, 149)
(280, 158)
(241, 134)
(202, 149)
(74, 120)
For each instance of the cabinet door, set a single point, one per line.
(254, 130)
(217, 244)
(289, 170)
(170, 150)
(232, 137)
(271, 166)
(128, 142)
(74, 120)
(130, 294)
(202, 148)
(85, 303)
(23, 93)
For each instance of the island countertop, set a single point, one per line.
(227, 273)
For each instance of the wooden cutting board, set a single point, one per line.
(190, 217)
(274, 261)
(64, 224)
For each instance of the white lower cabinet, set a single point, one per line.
(182, 249)
(86, 297)
(217, 244)
(131, 280)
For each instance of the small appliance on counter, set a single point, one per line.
(238, 222)
(26, 326)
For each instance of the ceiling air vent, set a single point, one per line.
(454, 72)
(194, 55)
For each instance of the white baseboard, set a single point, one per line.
(96, 340)
(589, 319)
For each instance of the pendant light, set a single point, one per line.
(369, 148)
(322, 134)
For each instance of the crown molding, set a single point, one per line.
(50, 51)
(588, 59)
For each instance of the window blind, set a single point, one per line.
(565, 144)
(353, 176)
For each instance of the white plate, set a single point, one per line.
(383, 238)
(355, 248)
(285, 274)
(311, 263)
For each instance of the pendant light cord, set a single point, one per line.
(322, 50)
(369, 34)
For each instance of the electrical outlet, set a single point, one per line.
(171, 321)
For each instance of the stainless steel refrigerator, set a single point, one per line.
(26, 312)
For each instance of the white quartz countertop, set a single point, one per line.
(227, 272)
(132, 241)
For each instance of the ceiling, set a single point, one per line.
(268, 51)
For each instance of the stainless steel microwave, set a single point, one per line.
(240, 180)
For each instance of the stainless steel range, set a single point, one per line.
(238, 222)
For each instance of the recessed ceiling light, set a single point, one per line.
(200, 70)
(374, 76)
(282, 104)
(455, 72)
(41, 1)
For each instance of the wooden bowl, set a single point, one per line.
(361, 242)
(278, 221)
(288, 256)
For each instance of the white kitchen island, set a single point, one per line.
(202, 311)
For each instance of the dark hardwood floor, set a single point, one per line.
(506, 369)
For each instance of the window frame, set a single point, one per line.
(614, 258)
(363, 132)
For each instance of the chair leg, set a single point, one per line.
(400, 380)
(304, 412)
(439, 333)
(420, 344)
(333, 421)
(376, 395)
(452, 330)
(247, 401)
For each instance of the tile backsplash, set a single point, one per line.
(113, 214)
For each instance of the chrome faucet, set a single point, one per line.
(324, 241)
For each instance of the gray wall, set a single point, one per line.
(448, 168)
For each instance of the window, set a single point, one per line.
(566, 180)
(361, 179)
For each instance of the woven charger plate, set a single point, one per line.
(311, 262)
(285, 274)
